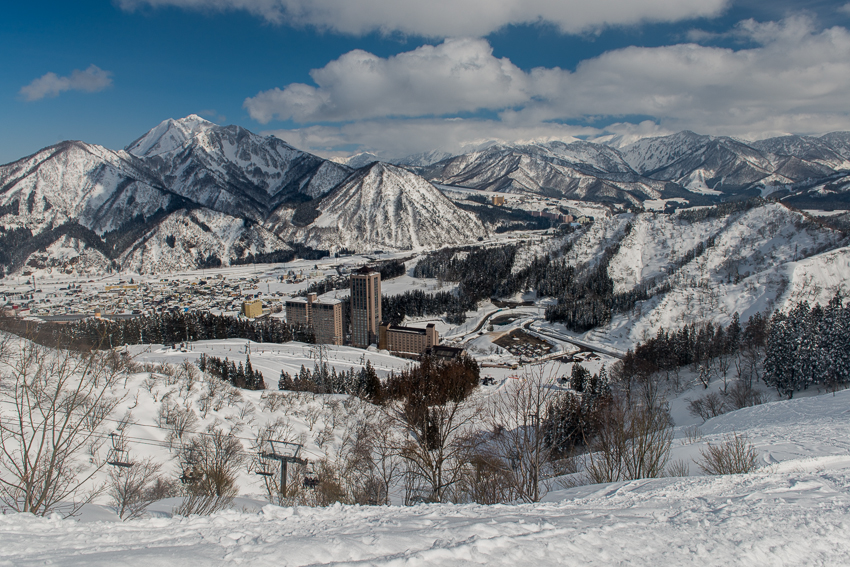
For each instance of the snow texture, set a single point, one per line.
(383, 206)
(794, 511)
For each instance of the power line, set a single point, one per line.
(166, 444)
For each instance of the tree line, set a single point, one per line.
(158, 328)
(244, 377)
(808, 346)
(417, 303)
(363, 383)
(789, 351)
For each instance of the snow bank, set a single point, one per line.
(794, 512)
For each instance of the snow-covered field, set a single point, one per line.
(794, 511)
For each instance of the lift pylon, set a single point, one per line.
(286, 453)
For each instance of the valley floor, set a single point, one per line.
(794, 511)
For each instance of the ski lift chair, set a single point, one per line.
(311, 479)
(118, 455)
(265, 467)
(191, 475)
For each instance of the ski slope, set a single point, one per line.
(794, 511)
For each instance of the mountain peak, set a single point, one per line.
(383, 206)
(169, 135)
(192, 119)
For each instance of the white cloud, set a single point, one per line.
(796, 76)
(91, 80)
(399, 138)
(453, 18)
(456, 76)
(795, 79)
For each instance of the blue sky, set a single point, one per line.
(401, 76)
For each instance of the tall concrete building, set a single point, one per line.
(324, 317)
(365, 306)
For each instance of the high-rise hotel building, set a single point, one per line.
(365, 307)
(323, 317)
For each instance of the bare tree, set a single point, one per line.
(437, 444)
(723, 362)
(386, 463)
(631, 443)
(177, 420)
(211, 463)
(272, 402)
(5, 347)
(132, 487)
(708, 406)
(487, 480)
(516, 418)
(734, 455)
(53, 405)
(430, 404)
(210, 398)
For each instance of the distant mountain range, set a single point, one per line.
(191, 193)
(807, 171)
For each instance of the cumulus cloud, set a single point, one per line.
(453, 18)
(456, 76)
(91, 80)
(794, 78)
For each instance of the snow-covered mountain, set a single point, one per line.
(711, 164)
(684, 165)
(98, 188)
(384, 206)
(190, 192)
(107, 208)
(229, 169)
(358, 160)
(705, 265)
(76, 206)
(579, 170)
(423, 159)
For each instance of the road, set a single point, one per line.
(547, 332)
(578, 343)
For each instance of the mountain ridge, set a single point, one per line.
(229, 172)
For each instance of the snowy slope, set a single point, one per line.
(806, 149)
(357, 160)
(838, 141)
(578, 170)
(651, 154)
(423, 159)
(654, 245)
(792, 512)
(758, 260)
(706, 163)
(197, 234)
(169, 135)
(384, 206)
(96, 187)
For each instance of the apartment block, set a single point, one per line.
(252, 309)
(324, 317)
